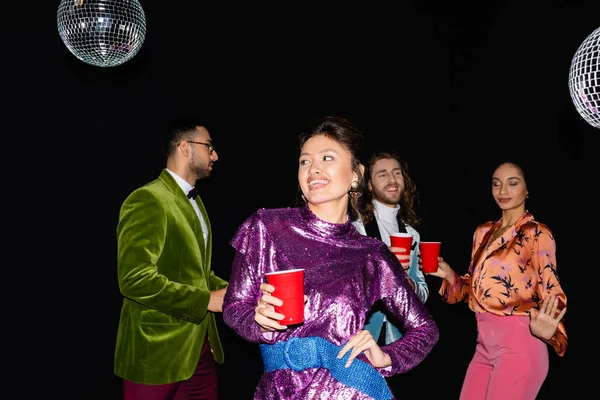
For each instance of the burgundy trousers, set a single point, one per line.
(201, 386)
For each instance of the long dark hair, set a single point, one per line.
(351, 138)
(410, 195)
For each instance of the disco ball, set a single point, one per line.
(584, 79)
(104, 33)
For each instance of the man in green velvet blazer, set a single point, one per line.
(167, 339)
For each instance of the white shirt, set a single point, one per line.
(186, 187)
(386, 220)
(388, 223)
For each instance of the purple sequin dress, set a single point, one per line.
(345, 273)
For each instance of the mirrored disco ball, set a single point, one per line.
(584, 79)
(104, 33)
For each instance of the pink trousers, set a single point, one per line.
(509, 362)
(201, 386)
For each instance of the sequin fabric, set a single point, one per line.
(345, 273)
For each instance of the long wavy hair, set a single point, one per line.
(410, 195)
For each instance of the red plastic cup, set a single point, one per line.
(430, 251)
(403, 240)
(289, 288)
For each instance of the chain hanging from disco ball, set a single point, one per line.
(584, 79)
(104, 33)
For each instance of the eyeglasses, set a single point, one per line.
(210, 146)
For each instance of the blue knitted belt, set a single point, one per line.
(315, 352)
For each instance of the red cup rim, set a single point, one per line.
(284, 271)
(401, 234)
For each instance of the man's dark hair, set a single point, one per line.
(177, 130)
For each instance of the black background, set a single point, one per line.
(453, 87)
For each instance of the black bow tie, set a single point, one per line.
(192, 193)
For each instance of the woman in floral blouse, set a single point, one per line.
(512, 286)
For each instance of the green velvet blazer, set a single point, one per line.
(165, 278)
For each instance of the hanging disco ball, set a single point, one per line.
(104, 33)
(584, 79)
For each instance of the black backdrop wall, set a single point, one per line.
(453, 87)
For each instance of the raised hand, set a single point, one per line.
(362, 341)
(264, 313)
(403, 256)
(444, 270)
(543, 322)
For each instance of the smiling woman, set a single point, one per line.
(324, 176)
(330, 352)
(512, 285)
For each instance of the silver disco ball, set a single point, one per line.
(104, 33)
(584, 79)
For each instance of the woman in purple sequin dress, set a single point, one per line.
(329, 355)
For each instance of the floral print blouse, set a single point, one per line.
(512, 274)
